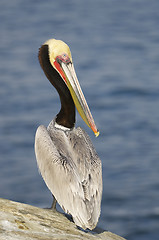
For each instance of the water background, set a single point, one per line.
(115, 49)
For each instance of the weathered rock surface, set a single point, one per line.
(25, 222)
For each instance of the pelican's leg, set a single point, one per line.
(53, 206)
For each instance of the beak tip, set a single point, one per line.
(97, 133)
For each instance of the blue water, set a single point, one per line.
(115, 48)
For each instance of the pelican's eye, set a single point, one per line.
(63, 58)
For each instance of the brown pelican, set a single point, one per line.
(65, 155)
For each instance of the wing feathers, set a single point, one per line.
(69, 174)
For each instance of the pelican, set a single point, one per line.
(65, 155)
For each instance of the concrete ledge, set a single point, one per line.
(25, 222)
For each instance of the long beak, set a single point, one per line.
(78, 96)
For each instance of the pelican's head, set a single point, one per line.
(61, 60)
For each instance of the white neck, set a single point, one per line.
(61, 127)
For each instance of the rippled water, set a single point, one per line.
(115, 48)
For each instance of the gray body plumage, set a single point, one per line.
(72, 171)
